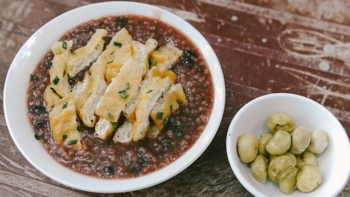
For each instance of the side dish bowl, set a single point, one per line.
(16, 109)
(334, 162)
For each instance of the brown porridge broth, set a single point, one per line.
(107, 159)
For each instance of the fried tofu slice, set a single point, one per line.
(103, 129)
(50, 97)
(84, 56)
(130, 107)
(122, 88)
(169, 102)
(63, 122)
(87, 94)
(123, 133)
(119, 51)
(165, 56)
(58, 76)
(147, 99)
(143, 51)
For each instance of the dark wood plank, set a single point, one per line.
(244, 34)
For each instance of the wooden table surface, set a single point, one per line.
(264, 47)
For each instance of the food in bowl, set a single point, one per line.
(105, 154)
(286, 155)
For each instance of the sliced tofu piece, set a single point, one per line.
(120, 50)
(123, 87)
(165, 56)
(58, 75)
(63, 122)
(130, 107)
(147, 99)
(50, 97)
(83, 90)
(169, 102)
(143, 51)
(103, 129)
(84, 56)
(123, 134)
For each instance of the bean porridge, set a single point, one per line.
(104, 158)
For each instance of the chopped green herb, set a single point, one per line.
(37, 136)
(159, 115)
(162, 95)
(90, 93)
(149, 91)
(110, 62)
(152, 62)
(64, 137)
(127, 86)
(56, 80)
(167, 119)
(171, 107)
(64, 106)
(117, 44)
(110, 115)
(123, 94)
(54, 91)
(64, 44)
(52, 106)
(168, 88)
(166, 142)
(112, 53)
(71, 142)
(115, 126)
(179, 101)
(33, 78)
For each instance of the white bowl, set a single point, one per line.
(15, 97)
(334, 163)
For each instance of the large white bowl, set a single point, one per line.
(16, 85)
(334, 163)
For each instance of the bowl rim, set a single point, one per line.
(72, 18)
(231, 143)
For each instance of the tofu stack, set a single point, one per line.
(128, 92)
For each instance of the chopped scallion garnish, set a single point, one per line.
(64, 44)
(64, 137)
(33, 78)
(152, 62)
(71, 142)
(37, 136)
(110, 115)
(167, 119)
(127, 86)
(123, 94)
(159, 115)
(117, 44)
(149, 91)
(54, 91)
(64, 106)
(56, 80)
(110, 62)
(179, 101)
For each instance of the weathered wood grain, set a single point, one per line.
(244, 35)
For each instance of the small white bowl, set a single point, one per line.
(32, 52)
(334, 163)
